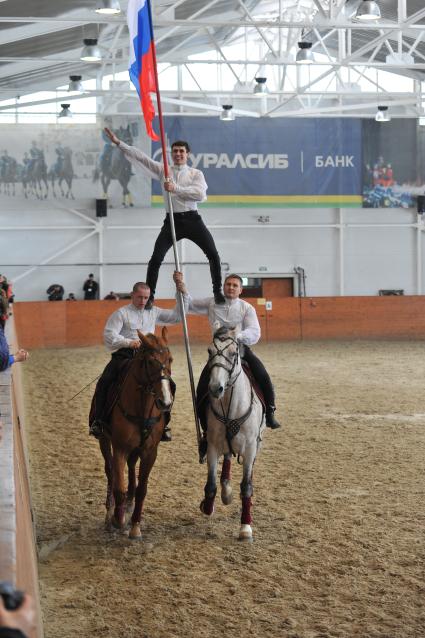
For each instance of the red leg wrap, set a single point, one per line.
(246, 518)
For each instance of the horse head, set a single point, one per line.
(155, 360)
(224, 361)
(125, 135)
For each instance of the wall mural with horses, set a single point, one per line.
(73, 163)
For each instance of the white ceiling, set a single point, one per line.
(40, 43)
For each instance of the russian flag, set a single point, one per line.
(142, 67)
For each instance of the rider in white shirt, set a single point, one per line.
(121, 339)
(239, 314)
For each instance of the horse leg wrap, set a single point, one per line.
(226, 470)
(120, 506)
(246, 518)
(207, 505)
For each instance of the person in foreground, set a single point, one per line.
(187, 187)
(121, 339)
(6, 359)
(17, 623)
(239, 314)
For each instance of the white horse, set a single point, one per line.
(235, 425)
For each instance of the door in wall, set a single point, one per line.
(279, 287)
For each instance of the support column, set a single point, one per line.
(341, 253)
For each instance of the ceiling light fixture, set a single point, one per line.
(65, 116)
(227, 115)
(382, 114)
(108, 7)
(91, 51)
(368, 10)
(260, 87)
(75, 83)
(304, 54)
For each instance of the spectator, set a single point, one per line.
(71, 297)
(17, 623)
(7, 287)
(4, 308)
(6, 359)
(90, 288)
(111, 296)
(55, 292)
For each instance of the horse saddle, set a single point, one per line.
(203, 400)
(258, 391)
(112, 394)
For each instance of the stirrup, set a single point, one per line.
(97, 428)
(166, 435)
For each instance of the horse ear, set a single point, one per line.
(141, 337)
(165, 334)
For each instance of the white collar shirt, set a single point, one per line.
(235, 313)
(122, 326)
(191, 187)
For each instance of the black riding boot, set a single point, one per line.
(270, 418)
(166, 435)
(98, 425)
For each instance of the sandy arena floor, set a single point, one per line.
(339, 517)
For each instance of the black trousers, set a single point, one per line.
(188, 225)
(108, 377)
(261, 376)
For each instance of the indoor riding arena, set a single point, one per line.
(289, 164)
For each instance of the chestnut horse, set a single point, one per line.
(236, 423)
(137, 424)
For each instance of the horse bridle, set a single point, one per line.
(231, 361)
(232, 425)
(162, 369)
(148, 422)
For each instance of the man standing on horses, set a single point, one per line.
(121, 338)
(187, 187)
(239, 314)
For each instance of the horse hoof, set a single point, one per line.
(116, 524)
(227, 498)
(135, 534)
(226, 493)
(245, 533)
(207, 508)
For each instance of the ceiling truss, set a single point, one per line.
(39, 52)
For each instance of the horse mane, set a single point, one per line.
(222, 331)
(153, 341)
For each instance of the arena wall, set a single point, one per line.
(81, 323)
(342, 251)
(18, 560)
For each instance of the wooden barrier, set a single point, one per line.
(18, 560)
(43, 324)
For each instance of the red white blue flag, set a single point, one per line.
(142, 66)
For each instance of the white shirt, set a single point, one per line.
(121, 327)
(235, 313)
(191, 186)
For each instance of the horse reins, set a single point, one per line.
(232, 425)
(147, 422)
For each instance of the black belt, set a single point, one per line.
(185, 213)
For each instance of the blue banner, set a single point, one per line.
(273, 161)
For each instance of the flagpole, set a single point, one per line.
(173, 230)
